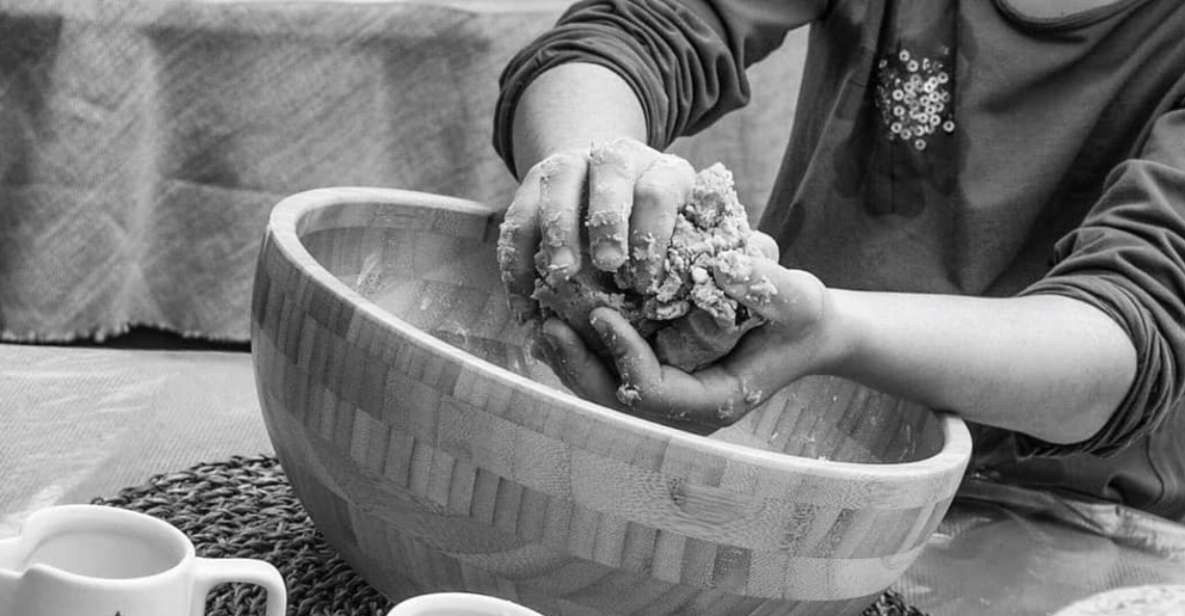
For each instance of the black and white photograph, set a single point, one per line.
(592, 308)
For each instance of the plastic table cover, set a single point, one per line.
(76, 423)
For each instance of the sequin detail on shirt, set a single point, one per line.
(913, 95)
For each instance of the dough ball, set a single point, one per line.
(679, 309)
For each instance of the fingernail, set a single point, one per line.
(563, 259)
(605, 332)
(608, 256)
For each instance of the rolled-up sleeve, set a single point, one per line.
(1128, 259)
(685, 60)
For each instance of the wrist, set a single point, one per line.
(841, 333)
(571, 106)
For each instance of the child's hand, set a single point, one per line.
(633, 196)
(800, 338)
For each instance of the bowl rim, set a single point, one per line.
(282, 229)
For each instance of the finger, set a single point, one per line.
(780, 295)
(518, 240)
(651, 389)
(661, 189)
(583, 372)
(612, 170)
(576, 366)
(637, 366)
(762, 245)
(763, 367)
(561, 191)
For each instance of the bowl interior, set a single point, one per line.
(435, 270)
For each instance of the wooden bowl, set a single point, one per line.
(436, 455)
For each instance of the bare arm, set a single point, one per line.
(570, 107)
(1048, 366)
(671, 67)
(628, 77)
(1045, 365)
(577, 138)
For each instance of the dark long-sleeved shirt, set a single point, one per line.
(955, 147)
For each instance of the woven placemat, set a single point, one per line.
(245, 508)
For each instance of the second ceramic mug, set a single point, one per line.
(77, 560)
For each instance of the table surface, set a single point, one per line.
(76, 423)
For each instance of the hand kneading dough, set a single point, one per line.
(678, 308)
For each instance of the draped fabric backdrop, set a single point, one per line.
(143, 142)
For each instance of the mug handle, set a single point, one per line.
(210, 572)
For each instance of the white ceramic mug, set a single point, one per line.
(459, 604)
(84, 560)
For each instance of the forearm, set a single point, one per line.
(572, 106)
(1045, 365)
(683, 61)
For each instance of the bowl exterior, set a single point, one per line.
(430, 472)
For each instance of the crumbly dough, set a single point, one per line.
(687, 318)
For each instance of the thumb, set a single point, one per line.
(762, 245)
(778, 294)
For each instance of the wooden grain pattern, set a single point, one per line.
(436, 455)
